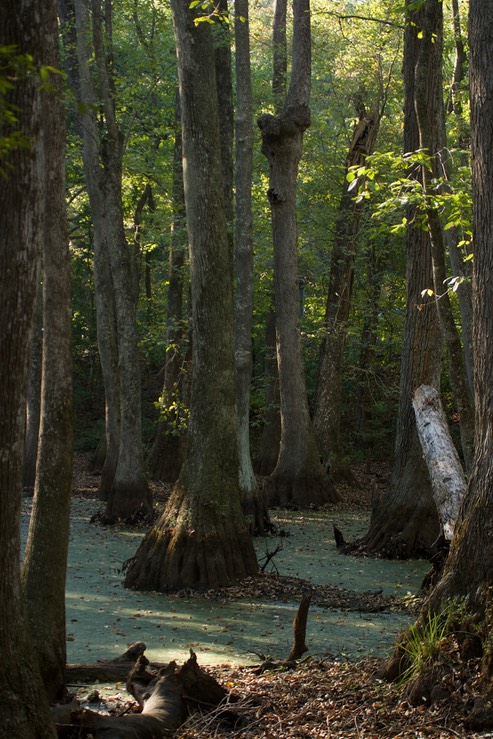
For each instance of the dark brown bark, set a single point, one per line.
(405, 521)
(33, 405)
(45, 558)
(299, 630)
(327, 416)
(428, 95)
(299, 478)
(25, 711)
(453, 235)
(368, 366)
(168, 450)
(469, 565)
(201, 539)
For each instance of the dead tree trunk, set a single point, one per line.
(165, 697)
(447, 478)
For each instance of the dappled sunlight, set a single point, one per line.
(103, 618)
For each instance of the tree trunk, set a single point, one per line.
(168, 450)
(115, 273)
(327, 417)
(268, 451)
(33, 406)
(468, 568)
(253, 503)
(25, 710)
(430, 111)
(45, 559)
(453, 236)
(201, 539)
(447, 477)
(299, 478)
(405, 522)
(368, 367)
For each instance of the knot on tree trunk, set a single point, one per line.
(275, 196)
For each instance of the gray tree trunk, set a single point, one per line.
(253, 502)
(45, 560)
(268, 450)
(446, 474)
(115, 274)
(299, 478)
(201, 539)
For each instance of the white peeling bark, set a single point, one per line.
(446, 474)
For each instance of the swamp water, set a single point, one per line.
(103, 618)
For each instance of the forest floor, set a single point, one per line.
(331, 693)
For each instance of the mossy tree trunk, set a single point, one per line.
(201, 539)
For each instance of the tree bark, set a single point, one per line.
(327, 416)
(201, 539)
(33, 406)
(268, 451)
(165, 696)
(25, 710)
(253, 502)
(115, 273)
(299, 478)
(468, 568)
(168, 450)
(430, 111)
(404, 523)
(45, 560)
(447, 477)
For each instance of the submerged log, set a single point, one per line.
(446, 474)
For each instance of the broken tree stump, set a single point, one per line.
(446, 474)
(299, 630)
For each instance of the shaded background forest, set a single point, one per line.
(357, 60)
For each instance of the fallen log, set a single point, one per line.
(107, 670)
(446, 474)
(165, 697)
